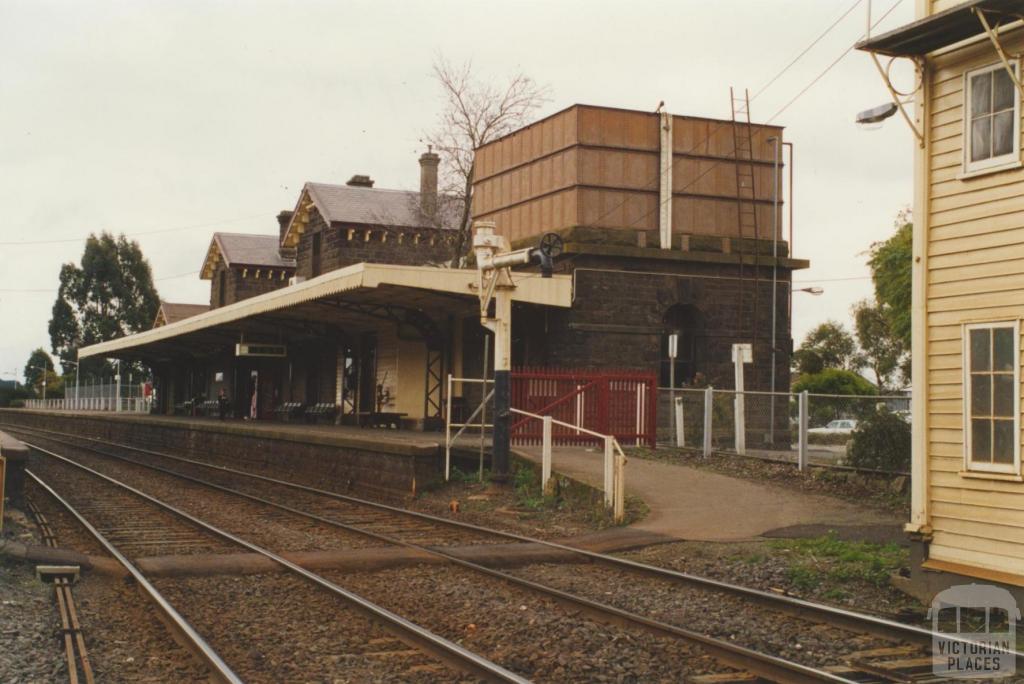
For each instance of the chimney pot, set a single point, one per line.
(429, 162)
(360, 181)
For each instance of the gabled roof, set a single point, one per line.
(368, 206)
(243, 249)
(172, 312)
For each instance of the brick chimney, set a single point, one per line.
(428, 183)
(283, 219)
(359, 181)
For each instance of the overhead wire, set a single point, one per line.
(723, 124)
(156, 231)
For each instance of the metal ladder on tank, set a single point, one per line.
(746, 196)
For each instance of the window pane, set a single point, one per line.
(1002, 343)
(981, 139)
(1004, 440)
(1002, 95)
(981, 395)
(980, 343)
(1002, 133)
(981, 94)
(981, 440)
(1002, 395)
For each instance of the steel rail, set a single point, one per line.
(437, 646)
(197, 644)
(809, 610)
(772, 667)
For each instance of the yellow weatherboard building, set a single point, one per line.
(967, 516)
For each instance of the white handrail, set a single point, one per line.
(614, 462)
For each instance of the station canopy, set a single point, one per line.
(943, 29)
(354, 299)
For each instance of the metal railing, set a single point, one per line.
(614, 462)
(614, 457)
(781, 426)
(482, 426)
(96, 403)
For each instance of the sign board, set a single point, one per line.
(742, 353)
(673, 346)
(249, 349)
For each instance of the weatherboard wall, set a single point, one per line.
(975, 272)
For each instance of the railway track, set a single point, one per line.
(100, 498)
(903, 661)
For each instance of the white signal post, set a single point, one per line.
(741, 354)
(494, 283)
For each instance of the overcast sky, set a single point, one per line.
(193, 117)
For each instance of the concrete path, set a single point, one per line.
(694, 504)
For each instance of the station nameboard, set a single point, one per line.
(246, 349)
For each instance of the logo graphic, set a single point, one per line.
(974, 632)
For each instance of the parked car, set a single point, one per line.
(843, 426)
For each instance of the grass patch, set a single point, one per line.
(829, 560)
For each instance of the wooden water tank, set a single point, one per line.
(598, 167)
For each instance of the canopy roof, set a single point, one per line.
(943, 29)
(352, 299)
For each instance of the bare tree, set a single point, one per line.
(475, 112)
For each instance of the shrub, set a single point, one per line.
(881, 442)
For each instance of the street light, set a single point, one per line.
(811, 290)
(44, 369)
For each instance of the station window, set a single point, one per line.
(992, 121)
(317, 238)
(991, 391)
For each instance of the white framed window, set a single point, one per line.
(992, 397)
(991, 118)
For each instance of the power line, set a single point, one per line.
(830, 280)
(806, 49)
(52, 291)
(716, 164)
(830, 66)
(723, 124)
(136, 234)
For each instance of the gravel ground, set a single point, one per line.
(576, 509)
(528, 634)
(254, 521)
(775, 565)
(715, 614)
(279, 628)
(124, 637)
(29, 622)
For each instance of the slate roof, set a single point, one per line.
(352, 204)
(251, 250)
(376, 206)
(243, 249)
(172, 312)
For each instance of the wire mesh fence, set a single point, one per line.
(768, 425)
(102, 395)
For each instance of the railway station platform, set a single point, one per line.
(390, 463)
(698, 505)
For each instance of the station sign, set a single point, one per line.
(247, 349)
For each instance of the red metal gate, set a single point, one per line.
(616, 402)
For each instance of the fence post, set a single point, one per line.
(609, 484)
(680, 425)
(619, 476)
(545, 469)
(448, 431)
(802, 451)
(708, 405)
